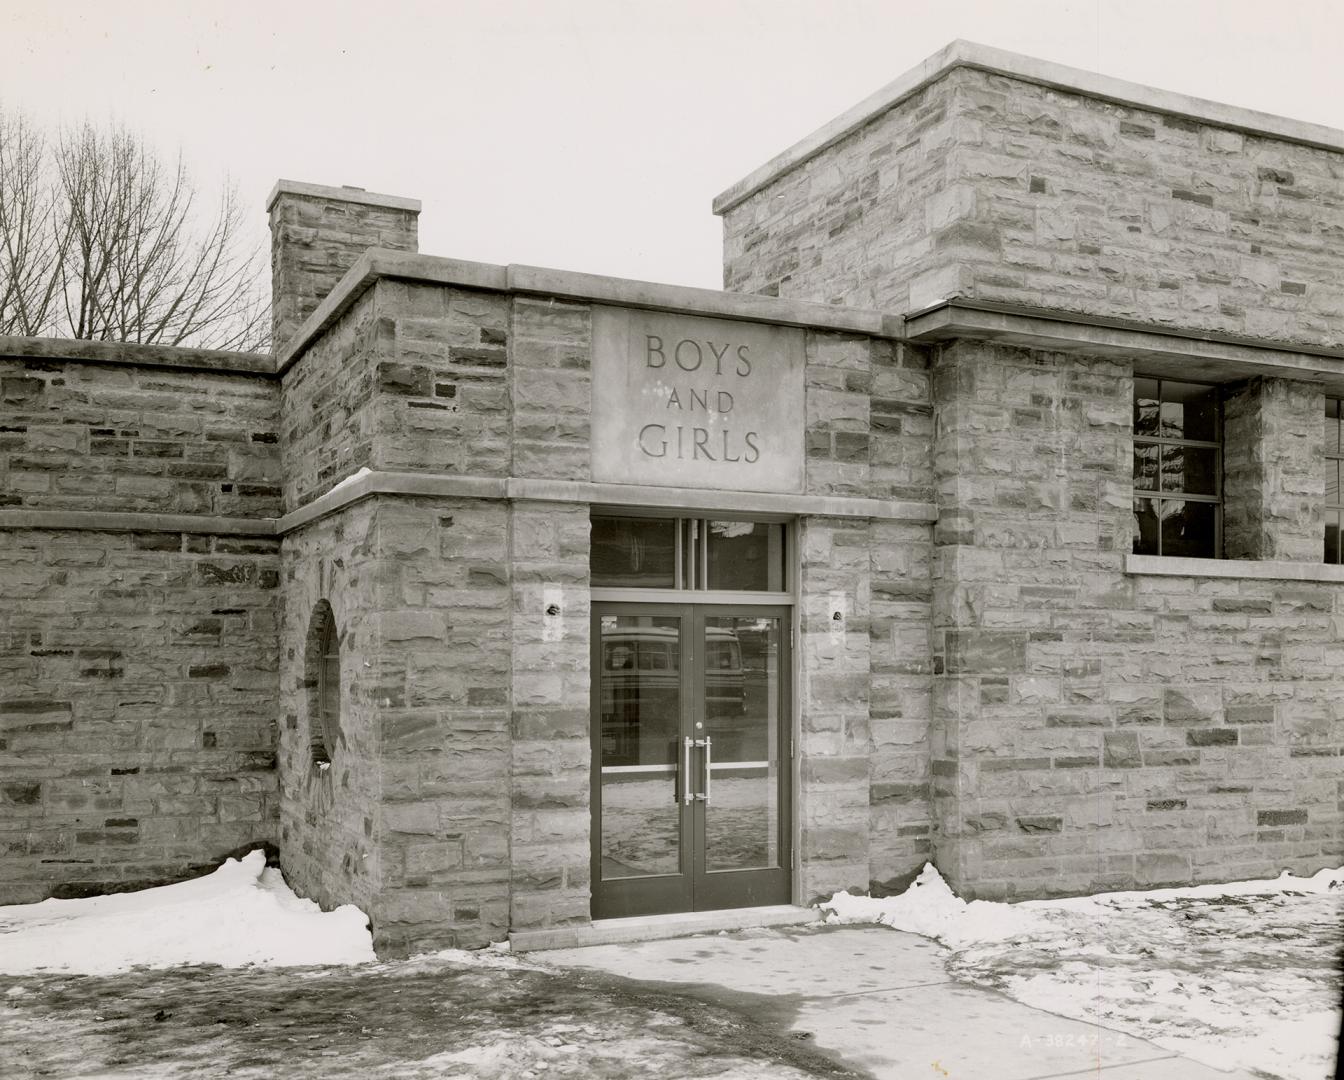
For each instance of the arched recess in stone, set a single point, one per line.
(322, 682)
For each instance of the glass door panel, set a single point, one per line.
(691, 759)
(640, 722)
(742, 712)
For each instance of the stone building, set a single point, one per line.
(990, 516)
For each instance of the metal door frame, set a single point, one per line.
(694, 888)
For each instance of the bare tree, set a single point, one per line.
(100, 239)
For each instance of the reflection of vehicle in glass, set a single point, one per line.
(641, 688)
(649, 658)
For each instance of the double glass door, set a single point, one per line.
(691, 757)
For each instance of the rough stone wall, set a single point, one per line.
(137, 696)
(442, 400)
(834, 742)
(869, 432)
(315, 239)
(328, 399)
(551, 747)
(873, 200)
(328, 816)
(550, 387)
(443, 618)
(84, 436)
(137, 669)
(1273, 490)
(1094, 729)
(989, 187)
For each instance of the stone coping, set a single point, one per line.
(344, 193)
(1154, 350)
(571, 285)
(523, 489)
(516, 489)
(135, 521)
(1244, 569)
(961, 53)
(133, 353)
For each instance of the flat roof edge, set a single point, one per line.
(131, 353)
(1047, 73)
(574, 285)
(345, 193)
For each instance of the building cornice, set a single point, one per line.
(521, 280)
(1152, 349)
(1070, 80)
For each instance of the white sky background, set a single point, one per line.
(588, 134)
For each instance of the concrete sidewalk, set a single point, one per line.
(879, 1000)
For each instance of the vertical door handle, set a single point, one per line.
(686, 769)
(707, 743)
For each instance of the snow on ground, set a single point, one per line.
(241, 914)
(1243, 974)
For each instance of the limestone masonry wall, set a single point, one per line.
(857, 222)
(442, 380)
(87, 436)
(137, 669)
(137, 707)
(996, 188)
(317, 234)
(328, 848)
(443, 623)
(327, 406)
(1095, 729)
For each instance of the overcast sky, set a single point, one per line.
(589, 134)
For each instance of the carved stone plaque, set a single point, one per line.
(685, 401)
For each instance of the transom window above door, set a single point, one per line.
(688, 553)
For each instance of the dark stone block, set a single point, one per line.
(1190, 196)
(404, 379)
(1040, 824)
(897, 793)
(20, 389)
(22, 794)
(1212, 737)
(1121, 750)
(1281, 817)
(1238, 606)
(208, 671)
(986, 652)
(1014, 763)
(1166, 804)
(156, 541)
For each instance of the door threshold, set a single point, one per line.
(659, 927)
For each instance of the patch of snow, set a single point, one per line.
(931, 909)
(349, 480)
(240, 915)
(1236, 975)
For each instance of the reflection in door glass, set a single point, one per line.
(640, 687)
(745, 555)
(742, 709)
(634, 552)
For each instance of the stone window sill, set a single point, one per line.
(1233, 568)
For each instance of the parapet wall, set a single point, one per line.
(1004, 179)
(138, 614)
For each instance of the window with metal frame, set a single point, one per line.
(1178, 467)
(688, 553)
(1333, 466)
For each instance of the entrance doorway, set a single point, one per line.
(691, 756)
